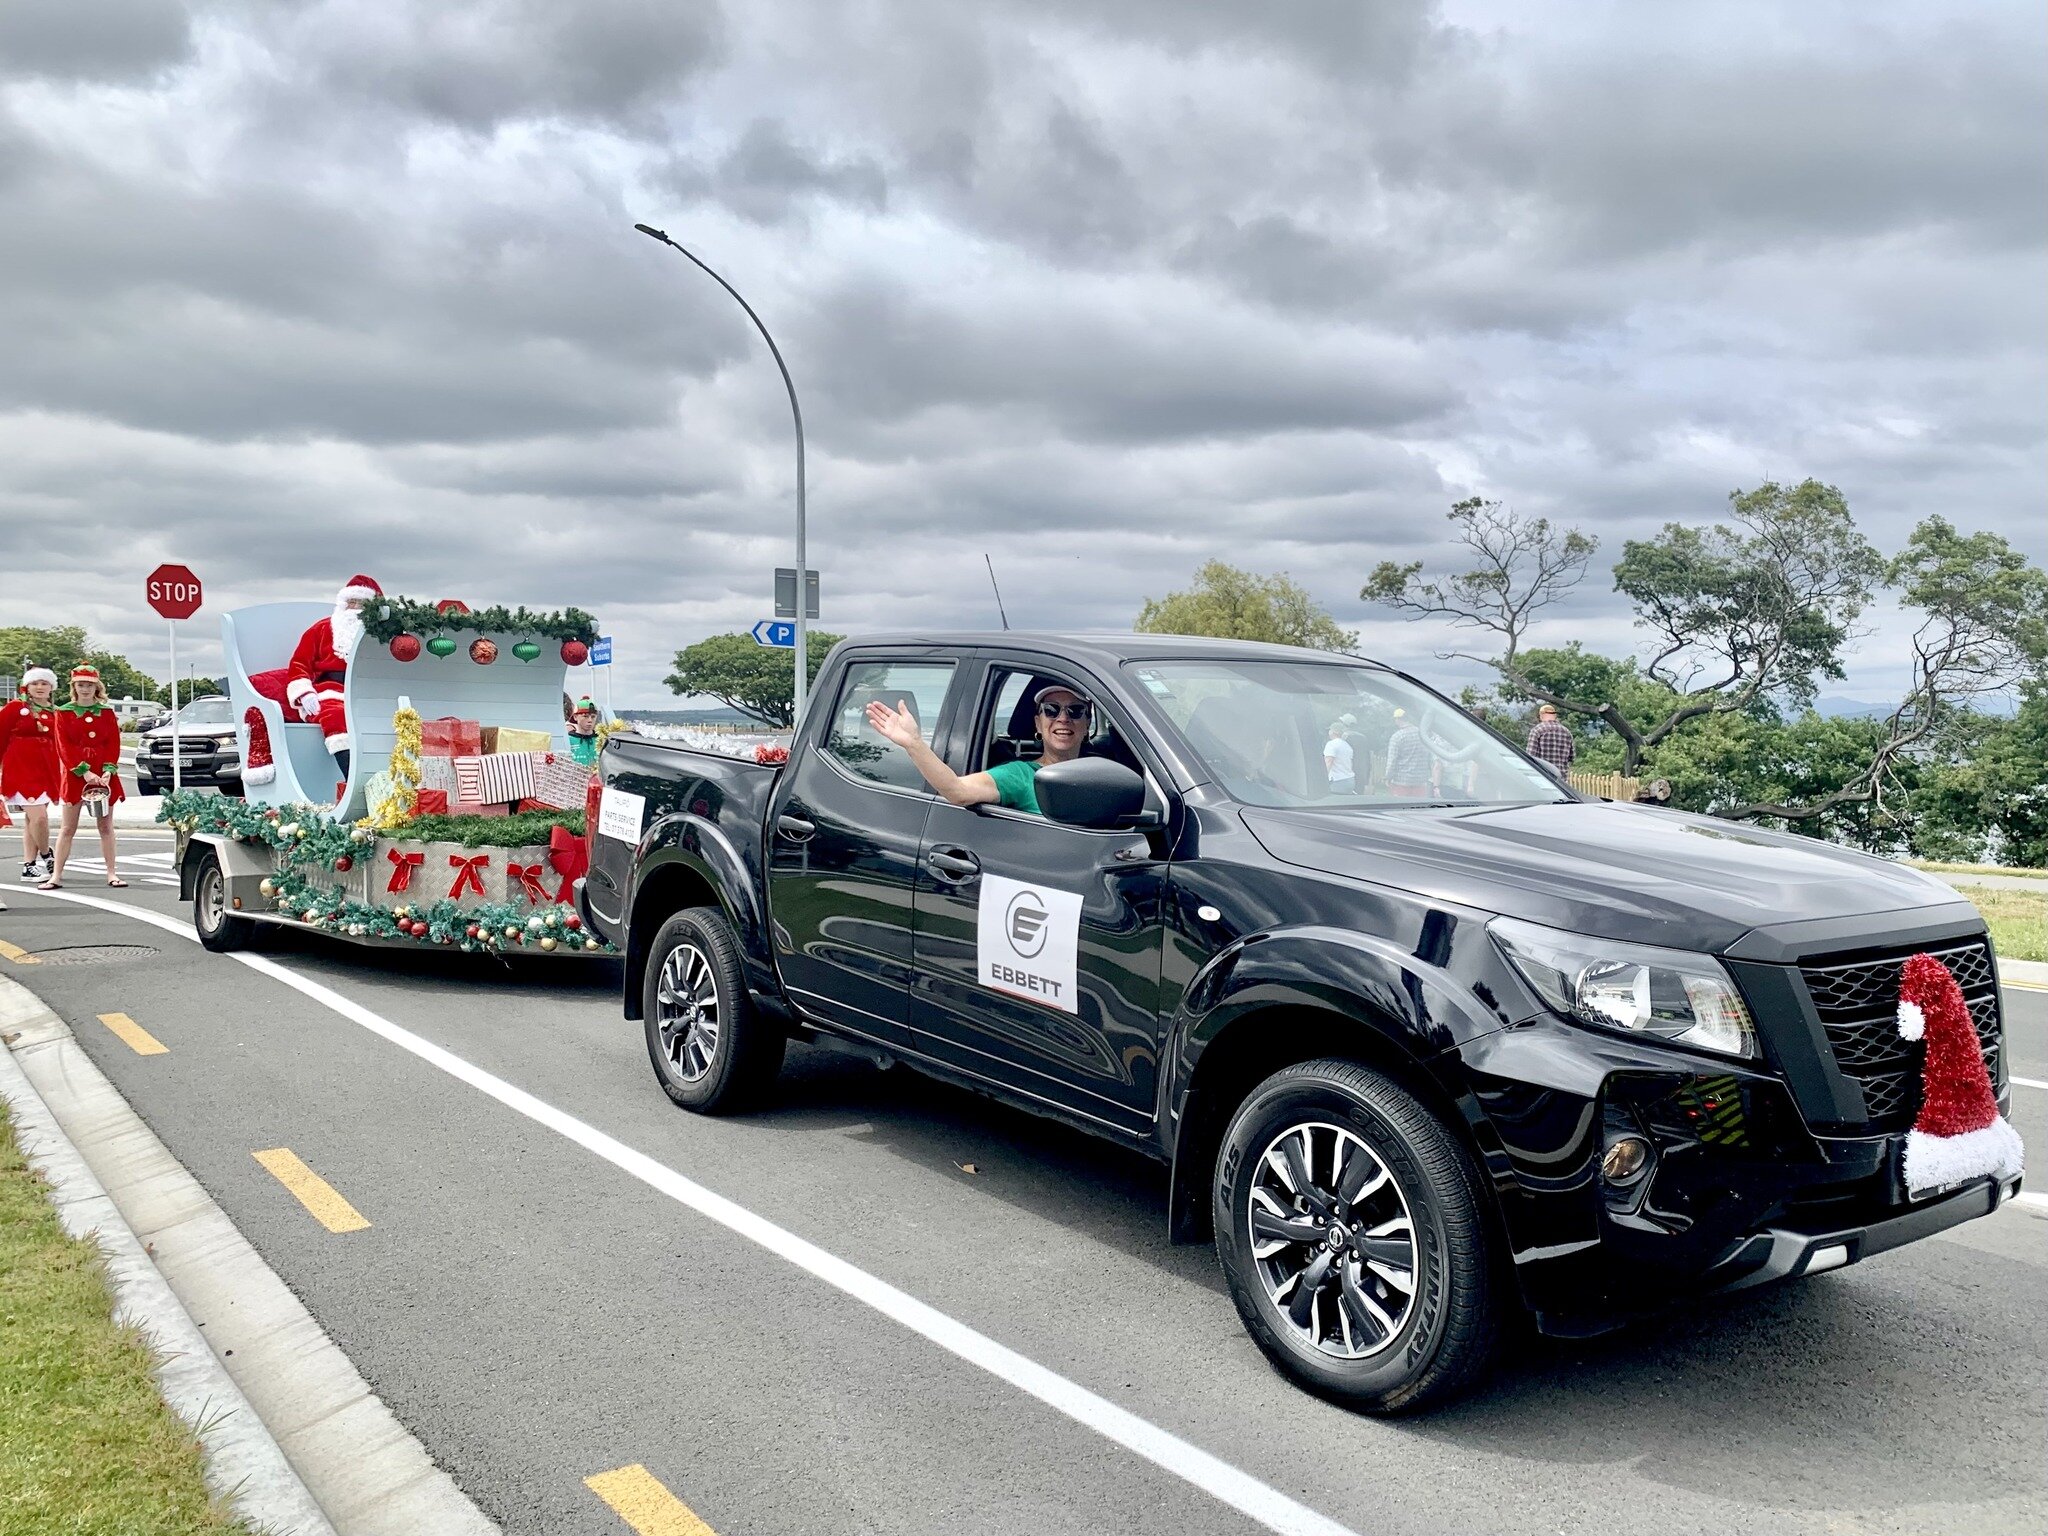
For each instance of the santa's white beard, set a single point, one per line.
(348, 630)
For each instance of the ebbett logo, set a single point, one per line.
(1024, 924)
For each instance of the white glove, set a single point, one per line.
(309, 707)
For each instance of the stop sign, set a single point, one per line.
(173, 591)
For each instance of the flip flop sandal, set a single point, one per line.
(117, 883)
(51, 885)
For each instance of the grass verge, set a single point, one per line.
(87, 1445)
(2024, 872)
(2018, 919)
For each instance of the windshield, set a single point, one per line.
(205, 712)
(1285, 733)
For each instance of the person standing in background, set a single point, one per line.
(1411, 766)
(1338, 762)
(1551, 742)
(89, 752)
(29, 778)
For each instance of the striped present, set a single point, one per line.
(469, 780)
(505, 777)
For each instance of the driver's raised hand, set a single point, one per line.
(898, 724)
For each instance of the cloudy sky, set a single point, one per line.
(1102, 289)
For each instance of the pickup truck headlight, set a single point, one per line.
(1636, 988)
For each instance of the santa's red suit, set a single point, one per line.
(28, 749)
(319, 665)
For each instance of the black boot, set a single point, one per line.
(341, 762)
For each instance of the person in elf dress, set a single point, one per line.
(29, 781)
(89, 752)
(584, 741)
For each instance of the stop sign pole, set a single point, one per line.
(173, 591)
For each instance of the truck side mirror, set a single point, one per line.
(1093, 792)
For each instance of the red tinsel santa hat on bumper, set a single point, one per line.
(1959, 1134)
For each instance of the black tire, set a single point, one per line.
(233, 789)
(219, 929)
(1405, 1352)
(712, 1051)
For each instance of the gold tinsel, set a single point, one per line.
(399, 807)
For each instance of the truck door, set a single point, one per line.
(1038, 944)
(843, 837)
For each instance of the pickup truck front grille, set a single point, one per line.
(1858, 1004)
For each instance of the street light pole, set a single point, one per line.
(803, 633)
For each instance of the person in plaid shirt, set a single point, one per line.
(1550, 741)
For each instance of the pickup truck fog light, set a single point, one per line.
(1634, 988)
(1626, 1158)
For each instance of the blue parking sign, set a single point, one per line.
(601, 652)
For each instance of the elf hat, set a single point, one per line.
(359, 589)
(85, 672)
(585, 707)
(38, 675)
(1959, 1133)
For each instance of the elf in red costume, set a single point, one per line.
(320, 666)
(1959, 1134)
(89, 752)
(29, 780)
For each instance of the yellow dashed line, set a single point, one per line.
(17, 954)
(638, 1498)
(313, 1192)
(133, 1035)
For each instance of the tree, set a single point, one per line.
(1738, 613)
(1983, 627)
(1231, 604)
(756, 680)
(1993, 800)
(63, 648)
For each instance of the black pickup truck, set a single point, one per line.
(1422, 1043)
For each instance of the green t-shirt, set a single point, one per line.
(1013, 783)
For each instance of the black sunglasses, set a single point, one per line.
(1071, 711)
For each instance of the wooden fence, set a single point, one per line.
(1608, 786)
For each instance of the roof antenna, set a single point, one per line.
(999, 591)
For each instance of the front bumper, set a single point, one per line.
(1738, 1190)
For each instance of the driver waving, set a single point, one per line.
(1061, 717)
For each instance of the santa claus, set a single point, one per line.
(320, 666)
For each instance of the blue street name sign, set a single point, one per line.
(601, 652)
(779, 633)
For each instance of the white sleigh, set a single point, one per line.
(508, 692)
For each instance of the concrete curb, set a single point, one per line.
(361, 1472)
(2025, 973)
(246, 1469)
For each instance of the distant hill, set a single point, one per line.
(723, 715)
(1835, 707)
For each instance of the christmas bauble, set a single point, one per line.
(572, 922)
(471, 931)
(419, 929)
(534, 924)
(441, 645)
(547, 942)
(405, 647)
(483, 651)
(526, 650)
(575, 652)
(511, 932)
(344, 864)
(268, 888)
(592, 944)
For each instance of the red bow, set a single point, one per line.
(527, 878)
(570, 857)
(402, 866)
(466, 877)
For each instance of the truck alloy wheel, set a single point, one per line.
(219, 929)
(711, 1050)
(686, 997)
(1350, 1225)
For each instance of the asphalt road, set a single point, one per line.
(537, 1315)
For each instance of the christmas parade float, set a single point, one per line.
(408, 777)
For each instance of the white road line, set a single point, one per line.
(1240, 1490)
(2028, 1082)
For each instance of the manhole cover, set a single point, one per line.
(94, 954)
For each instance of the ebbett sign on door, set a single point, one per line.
(173, 591)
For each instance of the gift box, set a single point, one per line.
(505, 777)
(431, 802)
(438, 773)
(515, 739)
(469, 779)
(560, 782)
(450, 736)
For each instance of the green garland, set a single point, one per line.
(521, 829)
(305, 833)
(385, 619)
(495, 927)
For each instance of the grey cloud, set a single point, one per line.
(115, 40)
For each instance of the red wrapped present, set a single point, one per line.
(450, 736)
(431, 802)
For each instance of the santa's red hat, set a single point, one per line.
(257, 765)
(1959, 1134)
(360, 589)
